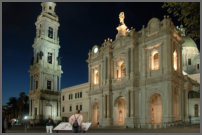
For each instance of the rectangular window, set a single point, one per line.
(75, 95)
(77, 107)
(50, 58)
(189, 61)
(48, 85)
(63, 109)
(70, 108)
(63, 98)
(80, 94)
(37, 58)
(198, 66)
(80, 107)
(50, 32)
(69, 97)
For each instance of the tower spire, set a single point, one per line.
(48, 7)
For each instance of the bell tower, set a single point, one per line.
(45, 69)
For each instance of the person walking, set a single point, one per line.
(49, 125)
(76, 121)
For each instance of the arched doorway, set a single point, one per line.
(95, 114)
(48, 110)
(120, 105)
(156, 109)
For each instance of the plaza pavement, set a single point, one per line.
(42, 129)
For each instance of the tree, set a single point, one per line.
(12, 107)
(17, 107)
(22, 104)
(189, 14)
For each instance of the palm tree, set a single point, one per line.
(17, 107)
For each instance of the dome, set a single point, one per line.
(188, 42)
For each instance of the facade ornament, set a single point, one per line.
(121, 18)
(122, 28)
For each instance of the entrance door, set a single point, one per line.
(48, 111)
(156, 109)
(121, 112)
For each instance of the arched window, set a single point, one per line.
(121, 69)
(175, 60)
(96, 76)
(196, 110)
(155, 60)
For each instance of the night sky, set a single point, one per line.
(82, 25)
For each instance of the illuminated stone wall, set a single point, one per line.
(45, 70)
(136, 80)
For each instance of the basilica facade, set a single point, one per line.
(139, 79)
(147, 78)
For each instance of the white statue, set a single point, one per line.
(121, 18)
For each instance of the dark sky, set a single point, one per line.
(82, 25)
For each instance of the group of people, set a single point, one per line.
(75, 120)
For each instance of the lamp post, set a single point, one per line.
(25, 119)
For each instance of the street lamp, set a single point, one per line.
(25, 119)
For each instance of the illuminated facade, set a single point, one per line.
(137, 80)
(45, 70)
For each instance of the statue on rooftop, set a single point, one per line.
(121, 18)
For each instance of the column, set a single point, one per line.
(53, 83)
(105, 106)
(90, 110)
(59, 83)
(92, 71)
(127, 64)
(39, 108)
(132, 61)
(128, 105)
(108, 107)
(132, 104)
(106, 69)
(100, 74)
(102, 69)
(29, 107)
(89, 74)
